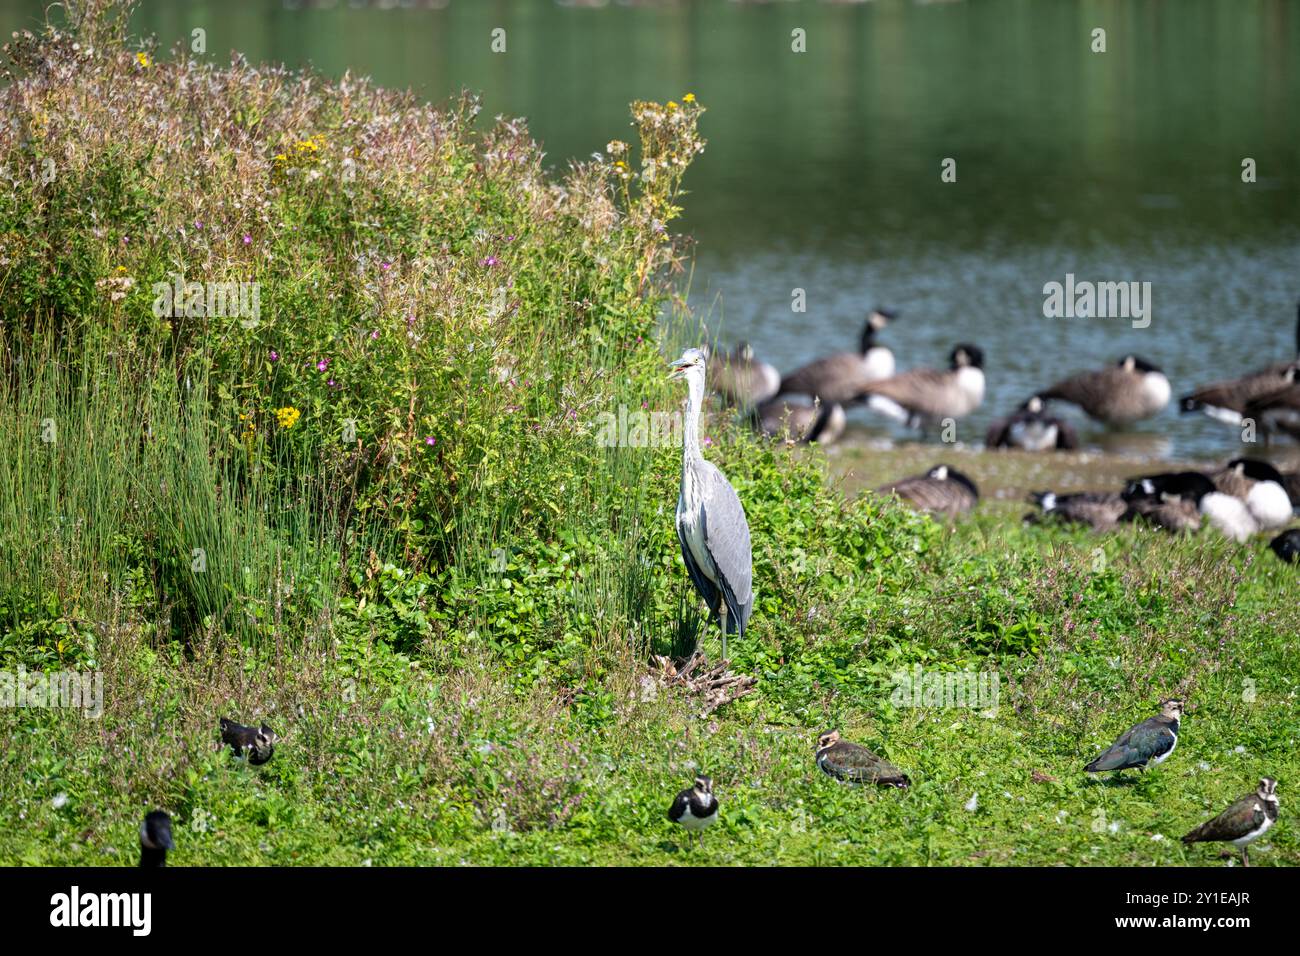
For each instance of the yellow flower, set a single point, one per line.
(672, 105)
(688, 98)
(287, 416)
(142, 59)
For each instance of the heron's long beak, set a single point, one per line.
(677, 369)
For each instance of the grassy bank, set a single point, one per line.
(376, 514)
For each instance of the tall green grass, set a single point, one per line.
(120, 497)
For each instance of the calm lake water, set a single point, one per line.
(823, 168)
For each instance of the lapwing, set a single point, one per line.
(155, 838)
(1150, 742)
(742, 378)
(1287, 546)
(696, 808)
(1099, 510)
(1128, 391)
(258, 741)
(941, 490)
(923, 397)
(838, 378)
(1242, 823)
(1031, 428)
(853, 763)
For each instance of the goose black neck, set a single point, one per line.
(868, 338)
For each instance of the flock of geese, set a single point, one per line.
(1244, 497)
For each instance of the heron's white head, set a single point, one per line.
(691, 360)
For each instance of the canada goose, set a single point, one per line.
(779, 418)
(258, 741)
(155, 839)
(923, 396)
(1226, 401)
(1158, 497)
(1260, 486)
(1099, 510)
(1031, 430)
(1128, 391)
(839, 377)
(942, 490)
(741, 378)
(1287, 546)
(1278, 412)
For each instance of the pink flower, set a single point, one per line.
(374, 333)
(247, 239)
(490, 261)
(430, 440)
(275, 356)
(386, 266)
(322, 365)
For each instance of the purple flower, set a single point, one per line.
(430, 440)
(247, 239)
(374, 333)
(322, 365)
(490, 261)
(198, 223)
(275, 356)
(707, 441)
(330, 383)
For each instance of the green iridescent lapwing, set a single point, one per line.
(854, 763)
(1242, 823)
(1150, 742)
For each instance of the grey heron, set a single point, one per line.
(711, 523)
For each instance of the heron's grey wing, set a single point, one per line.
(702, 584)
(726, 535)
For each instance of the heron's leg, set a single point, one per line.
(722, 617)
(1245, 856)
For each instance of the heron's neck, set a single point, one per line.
(691, 426)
